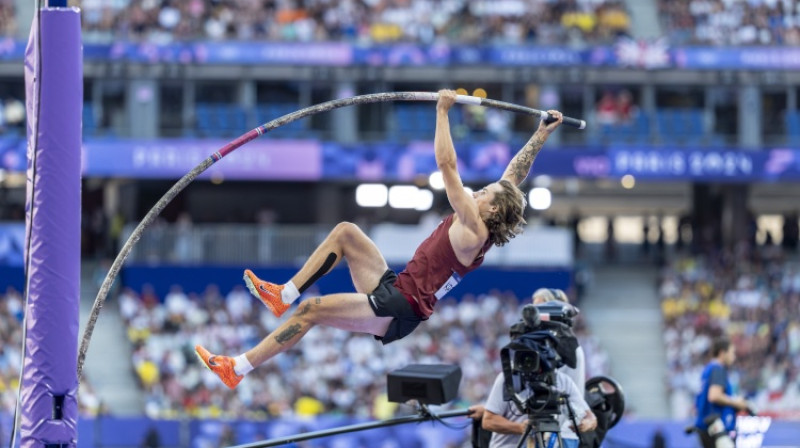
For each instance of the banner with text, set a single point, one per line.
(652, 54)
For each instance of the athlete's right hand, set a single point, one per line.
(446, 99)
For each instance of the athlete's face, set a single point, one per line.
(484, 198)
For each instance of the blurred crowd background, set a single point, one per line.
(672, 218)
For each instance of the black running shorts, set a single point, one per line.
(386, 300)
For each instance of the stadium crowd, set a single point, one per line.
(576, 22)
(754, 299)
(331, 371)
(362, 21)
(730, 22)
(11, 315)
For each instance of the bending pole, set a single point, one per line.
(254, 134)
(352, 428)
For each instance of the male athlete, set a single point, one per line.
(388, 305)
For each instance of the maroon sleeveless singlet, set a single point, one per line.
(434, 270)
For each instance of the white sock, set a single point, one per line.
(241, 365)
(290, 292)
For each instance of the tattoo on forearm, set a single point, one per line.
(288, 334)
(305, 309)
(521, 163)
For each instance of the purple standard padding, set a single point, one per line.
(53, 254)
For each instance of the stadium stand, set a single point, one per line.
(753, 298)
(516, 21)
(729, 22)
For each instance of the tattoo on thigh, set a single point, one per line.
(318, 300)
(305, 309)
(288, 334)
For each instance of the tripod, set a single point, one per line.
(540, 425)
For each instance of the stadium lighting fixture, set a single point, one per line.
(410, 197)
(424, 199)
(371, 195)
(540, 198)
(480, 92)
(628, 181)
(403, 196)
(436, 181)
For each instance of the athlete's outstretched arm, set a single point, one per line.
(519, 167)
(463, 205)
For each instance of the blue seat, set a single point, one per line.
(665, 121)
(792, 119)
(203, 119)
(220, 120)
(414, 121)
(683, 126)
(693, 122)
(221, 117)
(237, 120)
(634, 132)
(268, 112)
(89, 123)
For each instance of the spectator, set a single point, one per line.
(607, 112)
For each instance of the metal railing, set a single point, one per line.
(237, 244)
(225, 243)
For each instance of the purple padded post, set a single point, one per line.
(54, 100)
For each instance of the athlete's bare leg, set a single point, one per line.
(346, 240)
(350, 312)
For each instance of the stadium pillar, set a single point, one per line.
(589, 98)
(720, 216)
(550, 98)
(750, 117)
(345, 120)
(647, 105)
(187, 108)
(247, 99)
(328, 204)
(737, 222)
(791, 98)
(142, 106)
(706, 217)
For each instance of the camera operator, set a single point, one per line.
(578, 374)
(506, 420)
(715, 400)
(508, 423)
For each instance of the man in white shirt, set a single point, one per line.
(508, 423)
